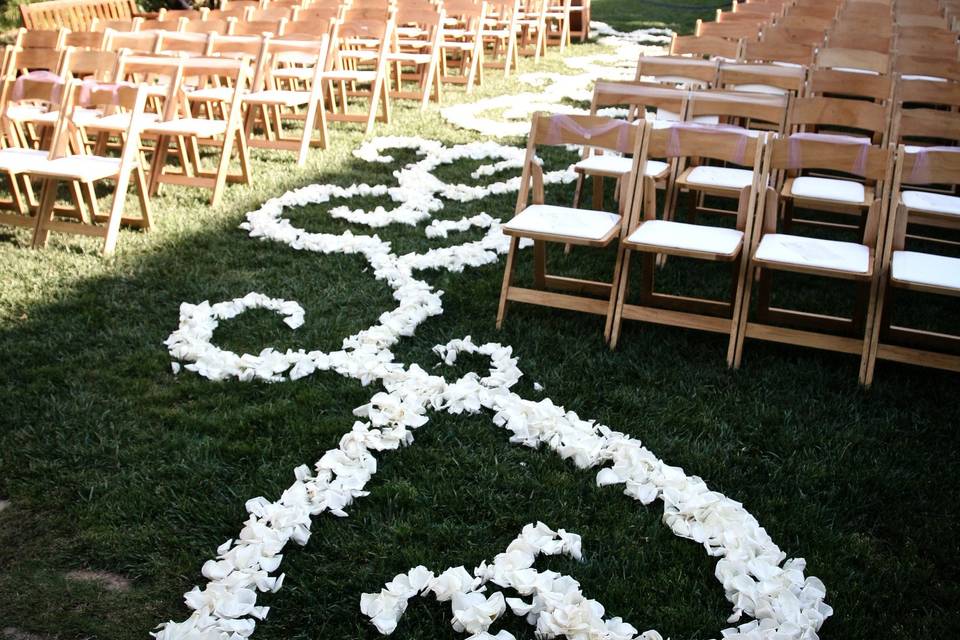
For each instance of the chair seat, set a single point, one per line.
(120, 122)
(931, 202)
(415, 58)
(81, 116)
(800, 251)
(723, 177)
(348, 74)
(760, 88)
(611, 165)
(212, 94)
(189, 127)
(285, 98)
(21, 160)
(913, 76)
(688, 237)
(550, 220)
(294, 73)
(911, 267)
(25, 112)
(84, 168)
(828, 189)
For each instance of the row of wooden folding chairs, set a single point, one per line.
(755, 248)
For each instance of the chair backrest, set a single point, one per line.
(774, 48)
(24, 60)
(259, 27)
(853, 60)
(852, 38)
(162, 25)
(280, 51)
(121, 26)
(319, 13)
(729, 30)
(96, 40)
(915, 20)
(40, 38)
(924, 68)
(812, 114)
(98, 65)
(235, 46)
(760, 78)
(135, 42)
(930, 46)
(925, 127)
(302, 29)
(223, 26)
(741, 106)
(189, 44)
(678, 70)
(154, 72)
(705, 47)
(831, 82)
(918, 91)
(639, 96)
(90, 94)
(276, 13)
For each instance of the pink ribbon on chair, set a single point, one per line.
(920, 174)
(560, 123)
(89, 86)
(795, 161)
(673, 142)
(38, 76)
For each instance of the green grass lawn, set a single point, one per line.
(110, 463)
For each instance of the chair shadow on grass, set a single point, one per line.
(112, 462)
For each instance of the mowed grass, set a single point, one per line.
(111, 463)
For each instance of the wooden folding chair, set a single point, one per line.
(557, 23)
(906, 268)
(17, 159)
(81, 167)
(644, 100)
(545, 223)
(651, 237)
(531, 24)
(361, 59)
(856, 123)
(274, 104)
(22, 114)
(707, 47)
(678, 71)
(416, 54)
(751, 113)
(914, 68)
(913, 91)
(499, 35)
(462, 47)
(220, 134)
(775, 251)
(580, 19)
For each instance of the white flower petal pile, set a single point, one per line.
(556, 606)
(757, 578)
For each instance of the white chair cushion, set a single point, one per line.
(759, 88)
(21, 160)
(924, 268)
(81, 116)
(606, 163)
(213, 94)
(934, 202)
(866, 72)
(720, 177)
(911, 76)
(81, 167)
(121, 121)
(190, 127)
(25, 112)
(692, 237)
(654, 168)
(828, 189)
(287, 98)
(813, 252)
(564, 221)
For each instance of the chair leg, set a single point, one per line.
(507, 279)
(143, 197)
(614, 288)
(116, 213)
(737, 355)
(621, 299)
(48, 198)
(540, 264)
